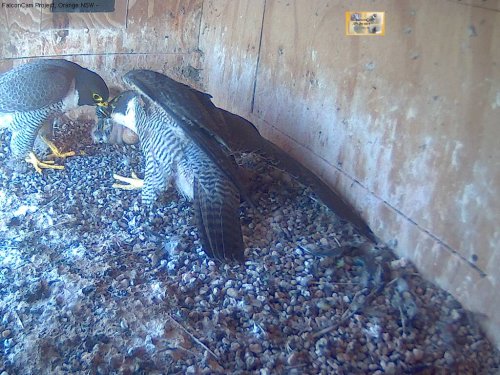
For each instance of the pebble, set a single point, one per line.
(255, 348)
(124, 283)
(455, 315)
(389, 367)
(418, 354)
(6, 333)
(253, 317)
(448, 357)
(323, 305)
(88, 289)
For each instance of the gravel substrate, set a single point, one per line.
(89, 284)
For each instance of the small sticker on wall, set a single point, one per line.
(364, 23)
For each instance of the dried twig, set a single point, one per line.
(174, 348)
(49, 202)
(195, 339)
(403, 321)
(332, 283)
(337, 241)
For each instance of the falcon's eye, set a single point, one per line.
(99, 100)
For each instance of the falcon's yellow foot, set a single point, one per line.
(55, 151)
(39, 165)
(132, 183)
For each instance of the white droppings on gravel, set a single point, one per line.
(23, 210)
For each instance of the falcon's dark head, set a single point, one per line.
(92, 90)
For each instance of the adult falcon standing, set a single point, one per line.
(33, 93)
(177, 143)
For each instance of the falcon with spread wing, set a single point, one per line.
(176, 130)
(225, 132)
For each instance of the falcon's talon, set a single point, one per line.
(133, 183)
(39, 165)
(55, 151)
(62, 155)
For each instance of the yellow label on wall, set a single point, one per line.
(364, 23)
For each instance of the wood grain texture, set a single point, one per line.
(230, 36)
(485, 4)
(412, 125)
(86, 21)
(169, 26)
(156, 26)
(20, 15)
(16, 22)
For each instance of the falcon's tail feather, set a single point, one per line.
(218, 221)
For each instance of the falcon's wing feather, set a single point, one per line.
(33, 86)
(187, 105)
(210, 127)
(250, 140)
(194, 112)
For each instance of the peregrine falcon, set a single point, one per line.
(234, 135)
(35, 92)
(174, 129)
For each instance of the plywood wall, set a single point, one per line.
(161, 35)
(406, 125)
